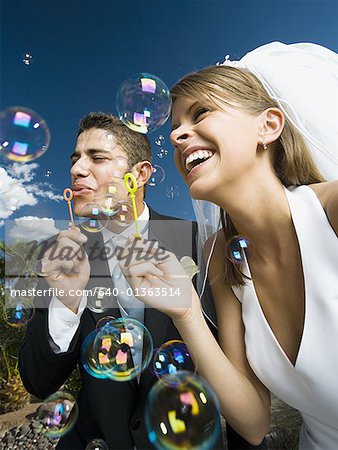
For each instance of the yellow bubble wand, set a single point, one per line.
(132, 189)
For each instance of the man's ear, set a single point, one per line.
(271, 126)
(143, 170)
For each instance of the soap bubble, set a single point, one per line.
(111, 197)
(108, 141)
(162, 153)
(237, 245)
(143, 102)
(171, 358)
(124, 216)
(91, 218)
(19, 311)
(97, 444)
(27, 59)
(184, 415)
(160, 140)
(157, 176)
(172, 191)
(108, 351)
(99, 299)
(24, 135)
(57, 415)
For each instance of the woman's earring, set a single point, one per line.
(264, 145)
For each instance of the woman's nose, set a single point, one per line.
(178, 136)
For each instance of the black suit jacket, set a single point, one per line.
(113, 411)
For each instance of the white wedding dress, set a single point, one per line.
(311, 385)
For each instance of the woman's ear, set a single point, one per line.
(143, 170)
(272, 124)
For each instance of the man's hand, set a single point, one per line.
(66, 266)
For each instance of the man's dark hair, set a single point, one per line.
(136, 145)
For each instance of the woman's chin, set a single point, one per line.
(198, 193)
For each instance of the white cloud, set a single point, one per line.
(13, 195)
(29, 228)
(44, 190)
(17, 189)
(25, 172)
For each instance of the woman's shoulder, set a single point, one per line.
(327, 194)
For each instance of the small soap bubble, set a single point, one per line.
(99, 299)
(27, 59)
(184, 415)
(97, 444)
(162, 153)
(143, 102)
(24, 135)
(124, 218)
(48, 173)
(107, 140)
(111, 196)
(91, 218)
(108, 351)
(57, 415)
(237, 247)
(18, 311)
(172, 191)
(160, 140)
(157, 176)
(171, 358)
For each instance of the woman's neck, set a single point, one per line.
(260, 212)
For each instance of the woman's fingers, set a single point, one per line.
(141, 250)
(144, 269)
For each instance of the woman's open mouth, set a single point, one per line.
(197, 159)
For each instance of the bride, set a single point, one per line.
(250, 136)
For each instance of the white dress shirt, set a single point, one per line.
(63, 323)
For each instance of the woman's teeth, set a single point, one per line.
(200, 155)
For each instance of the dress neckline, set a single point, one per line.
(250, 282)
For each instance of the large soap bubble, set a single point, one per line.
(120, 350)
(57, 415)
(171, 358)
(24, 135)
(183, 415)
(143, 102)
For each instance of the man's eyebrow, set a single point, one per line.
(188, 111)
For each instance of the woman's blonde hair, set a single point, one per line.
(239, 88)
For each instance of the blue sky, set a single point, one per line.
(83, 49)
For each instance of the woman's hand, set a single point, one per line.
(157, 278)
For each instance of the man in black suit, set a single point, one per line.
(110, 410)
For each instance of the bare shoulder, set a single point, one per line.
(327, 194)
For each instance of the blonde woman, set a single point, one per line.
(248, 137)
